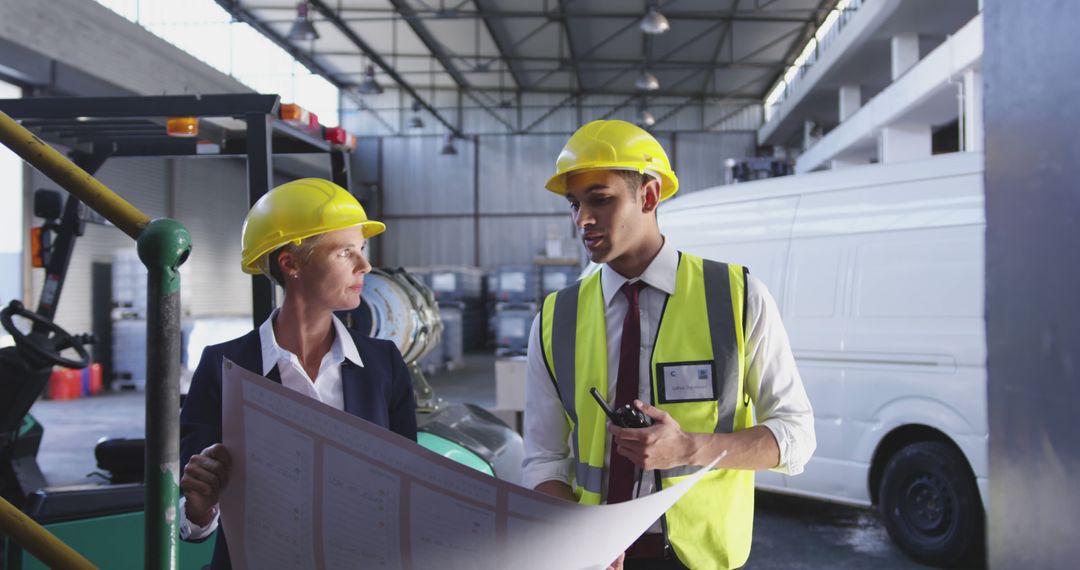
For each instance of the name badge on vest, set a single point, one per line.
(686, 381)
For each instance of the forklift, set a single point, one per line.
(104, 522)
(100, 521)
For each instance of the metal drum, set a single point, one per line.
(396, 306)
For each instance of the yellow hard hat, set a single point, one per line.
(298, 210)
(614, 145)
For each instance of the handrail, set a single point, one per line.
(793, 75)
(163, 246)
(38, 541)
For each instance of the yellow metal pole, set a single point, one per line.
(38, 541)
(73, 179)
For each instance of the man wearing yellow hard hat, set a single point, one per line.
(310, 237)
(694, 346)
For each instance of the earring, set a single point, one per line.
(296, 275)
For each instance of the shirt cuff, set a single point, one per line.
(192, 531)
(536, 472)
(783, 442)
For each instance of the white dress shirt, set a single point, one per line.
(326, 388)
(772, 382)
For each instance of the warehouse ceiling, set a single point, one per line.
(492, 49)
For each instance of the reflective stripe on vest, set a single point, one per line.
(700, 333)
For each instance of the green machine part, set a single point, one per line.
(116, 541)
(451, 450)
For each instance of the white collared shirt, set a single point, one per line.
(773, 382)
(326, 387)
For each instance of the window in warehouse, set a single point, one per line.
(11, 215)
(205, 30)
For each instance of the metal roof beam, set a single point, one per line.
(570, 42)
(734, 93)
(375, 58)
(724, 35)
(504, 51)
(591, 50)
(796, 16)
(589, 69)
(581, 60)
(614, 109)
(428, 39)
(720, 121)
(239, 13)
(436, 49)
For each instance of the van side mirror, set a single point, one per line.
(47, 204)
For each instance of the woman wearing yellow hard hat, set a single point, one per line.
(310, 237)
(694, 347)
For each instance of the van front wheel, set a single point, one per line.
(931, 506)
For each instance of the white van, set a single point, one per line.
(878, 273)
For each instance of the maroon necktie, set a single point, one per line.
(621, 475)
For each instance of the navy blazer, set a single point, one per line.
(380, 392)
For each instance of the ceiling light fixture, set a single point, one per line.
(647, 81)
(369, 86)
(416, 122)
(646, 119)
(654, 22)
(302, 29)
(448, 147)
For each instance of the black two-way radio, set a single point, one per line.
(626, 416)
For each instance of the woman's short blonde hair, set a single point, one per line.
(268, 264)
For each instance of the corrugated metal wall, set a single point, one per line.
(487, 205)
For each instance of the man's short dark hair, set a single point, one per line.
(633, 179)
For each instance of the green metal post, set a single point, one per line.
(163, 246)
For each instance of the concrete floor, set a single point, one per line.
(790, 533)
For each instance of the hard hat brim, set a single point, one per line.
(669, 183)
(370, 229)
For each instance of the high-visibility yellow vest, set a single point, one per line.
(698, 370)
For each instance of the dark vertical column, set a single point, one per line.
(476, 201)
(339, 168)
(1032, 111)
(260, 170)
(380, 199)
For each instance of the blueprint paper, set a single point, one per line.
(315, 487)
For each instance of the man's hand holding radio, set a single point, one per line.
(661, 445)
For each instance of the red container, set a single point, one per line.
(91, 379)
(65, 384)
(96, 379)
